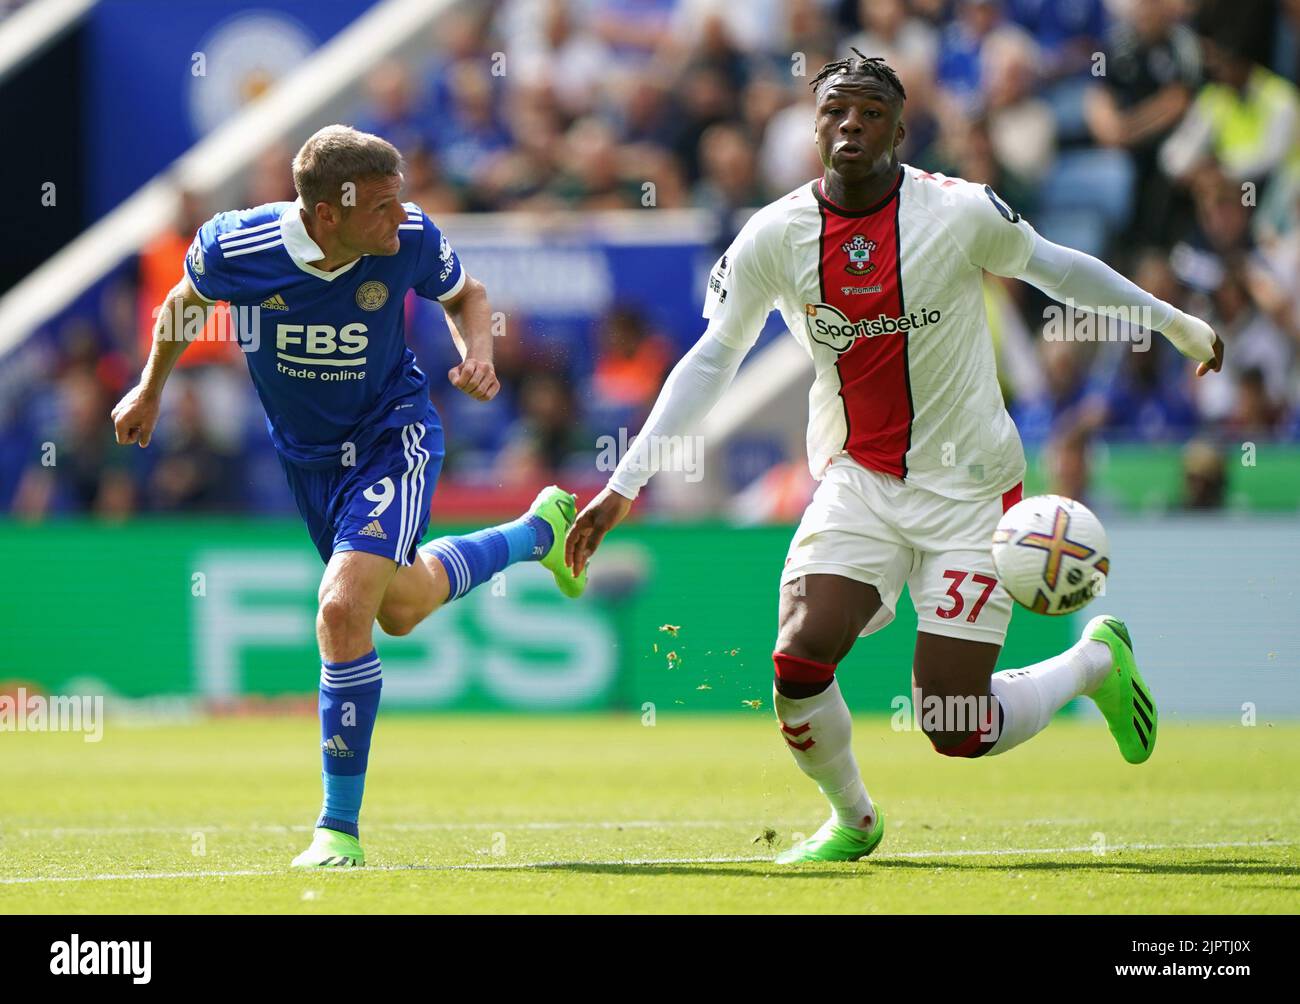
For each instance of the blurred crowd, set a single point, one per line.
(1160, 135)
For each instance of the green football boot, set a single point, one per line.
(559, 508)
(1124, 698)
(834, 842)
(331, 849)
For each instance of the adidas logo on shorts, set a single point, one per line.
(373, 529)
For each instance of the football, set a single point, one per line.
(1051, 554)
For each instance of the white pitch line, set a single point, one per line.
(30, 879)
(640, 862)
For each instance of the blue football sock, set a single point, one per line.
(476, 557)
(349, 702)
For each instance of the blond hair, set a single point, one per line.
(335, 156)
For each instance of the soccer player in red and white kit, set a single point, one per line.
(877, 268)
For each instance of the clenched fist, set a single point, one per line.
(476, 378)
(135, 416)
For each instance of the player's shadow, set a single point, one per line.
(1233, 866)
(1217, 866)
(702, 870)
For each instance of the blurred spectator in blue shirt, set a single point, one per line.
(1069, 32)
(960, 70)
(396, 112)
(468, 133)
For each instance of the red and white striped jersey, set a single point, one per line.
(889, 303)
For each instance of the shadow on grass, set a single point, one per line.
(1236, 866)
(1219, 866)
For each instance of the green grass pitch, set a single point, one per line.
(601, 813)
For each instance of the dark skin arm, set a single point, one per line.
(1215, 364)
(604, 512)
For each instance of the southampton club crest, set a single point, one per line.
(859, 251)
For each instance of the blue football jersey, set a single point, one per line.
(326, 350)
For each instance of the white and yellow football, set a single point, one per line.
(1051, 554)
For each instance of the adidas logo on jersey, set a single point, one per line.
(275, 303)
(373, 529)
(337, 747)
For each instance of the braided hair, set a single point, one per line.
(863, 66)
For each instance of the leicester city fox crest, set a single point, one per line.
(372, 295)
(859, 251)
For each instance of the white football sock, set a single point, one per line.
(822, 725)
(1031, 696)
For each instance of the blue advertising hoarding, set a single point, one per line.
(162, 74)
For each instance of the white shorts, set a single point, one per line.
(873, 528)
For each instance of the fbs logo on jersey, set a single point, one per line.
(338, 351)
(321, 340)
(859, 251)
(829, 326)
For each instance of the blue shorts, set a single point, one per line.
(380, 504)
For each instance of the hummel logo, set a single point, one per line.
(275, 303)
(336, 747)
(373, 529)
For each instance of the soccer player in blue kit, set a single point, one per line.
(316, 289)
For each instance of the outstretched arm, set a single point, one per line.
(688, 395)
(1001, 241)
(694, 386)
(135, 416)
(741, 292)
(1068, 275)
